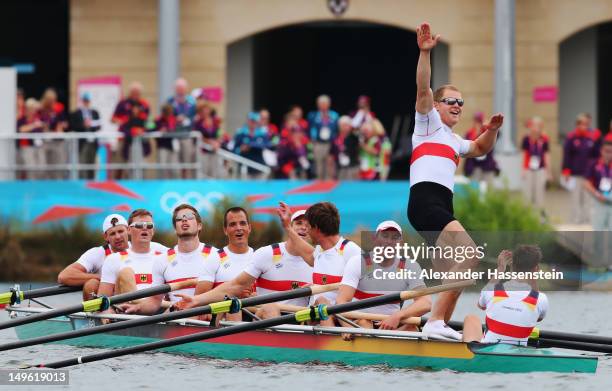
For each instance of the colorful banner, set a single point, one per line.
(362, 205)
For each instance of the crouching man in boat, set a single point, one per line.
(188, 260)
(273, 268)
(131, 269)
(512, 308)
(365, 276)
(86, 270)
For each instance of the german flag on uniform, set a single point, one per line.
(276, 253)
(532, 299)
(123, 255)
(499, 293)
(143, 278)
(206, 250)
(222, 256)
(342, 245)
(171, 254)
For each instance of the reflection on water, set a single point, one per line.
(569, 311)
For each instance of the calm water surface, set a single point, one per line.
(569, 311)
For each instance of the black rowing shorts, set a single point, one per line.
(430, 209)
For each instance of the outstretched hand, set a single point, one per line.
(424, 38)
(504, 259)
(495, 122)
(284, 213)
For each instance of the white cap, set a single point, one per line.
(297, 214)
(388, 224)
(113, 220)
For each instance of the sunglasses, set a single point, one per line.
(142, 225)
(185, 216)
(452, 101)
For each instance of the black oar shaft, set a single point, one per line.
(554, 343)
(84, 306)
(586, 338)
(15, 296)
(251, 301)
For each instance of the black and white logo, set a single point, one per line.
(337, 7)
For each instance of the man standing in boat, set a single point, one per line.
(273, 268)
(435, 156)
(512, 308)
(187, 260)
(86, 270)
(363, 278)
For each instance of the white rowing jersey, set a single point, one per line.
(435, 151)
(93, 259)
(226, 266)
(141, 264)
(329, 265)
(175, 266)
(375, 280)
(276, 270)
(512, 311)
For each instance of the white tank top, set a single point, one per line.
(511, 314)
(435, 151)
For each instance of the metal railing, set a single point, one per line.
(229, 165)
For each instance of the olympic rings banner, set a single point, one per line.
(362, 205)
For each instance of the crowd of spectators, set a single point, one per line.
(322, 145)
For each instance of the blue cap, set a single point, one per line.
(86, 96)
(253, 116)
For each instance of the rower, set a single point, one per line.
(131, 269)
(331, 253)
(435, 157)
(512, 308)
(273, 268)
(233, 258)
(86, 270)
(187, 260)
(359, 284)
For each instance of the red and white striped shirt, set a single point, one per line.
(435, 151)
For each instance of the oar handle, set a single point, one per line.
(407, 295)
(175, 286)
(317, 289)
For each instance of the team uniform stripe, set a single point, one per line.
(506, 329)
(322, 279)
(182, 279)
(435, 149)
(281, 285)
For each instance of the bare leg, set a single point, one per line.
(126, 281)
(472, 329)
(237, 317)
(90, 288)
(267, 311)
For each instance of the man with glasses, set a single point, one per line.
(86, 270)
(435, 157)
(131, 269)
(187, 260)
(365, 276)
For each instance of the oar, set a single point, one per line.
(312, 313)
(585, 346)
(101, 303)
(15, 296)
(215, 308)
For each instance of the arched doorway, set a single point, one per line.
(294, 64)
(585, 78)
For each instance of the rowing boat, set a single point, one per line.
(310, 344)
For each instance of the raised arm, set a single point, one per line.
(295, 244)
(486, 141)
(75, 274)
(425, 41)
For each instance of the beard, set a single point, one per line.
(186, 235)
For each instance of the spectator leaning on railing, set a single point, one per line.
(579, 151)
(31, 152)
(185, 110)
(251, 140)
(86, 119)
(167, 147)
(53, 115)
(323, 131)
(209, 126)
(124, 116)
